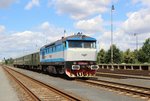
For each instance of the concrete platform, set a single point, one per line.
(7, 93)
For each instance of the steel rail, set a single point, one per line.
(67, 95)
(122, 75)
(135, 90)
(32, 95)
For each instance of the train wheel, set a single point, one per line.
(39, 67)
(61, 70)
(44, 69)
(51, 69)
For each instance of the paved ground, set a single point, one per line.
(7, 93)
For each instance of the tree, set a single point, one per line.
(146, 50)
(122, 57)
(101, 56)
(143, 55)
(136, 52)
(128, 56)
(9, 61)
(116, 55)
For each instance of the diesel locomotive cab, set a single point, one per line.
(81, 57)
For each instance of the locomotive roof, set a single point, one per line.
(72, 37)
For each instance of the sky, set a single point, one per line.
(27, 25)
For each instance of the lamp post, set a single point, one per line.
(112, 9)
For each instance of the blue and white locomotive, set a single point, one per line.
(74, 56)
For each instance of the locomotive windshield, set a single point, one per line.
(82, 44)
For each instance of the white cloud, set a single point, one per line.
(143, 2)
(138, 22)
(128, 41)
(6, 3)
(121, 39)
(79, 9)
(93, 25)
(123, 35)
(20, 43)
(104, 40)
(31, 4)
(45, 26)
(2, 28)
(51, 30)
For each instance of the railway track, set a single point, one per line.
(113, 75)
(131, 90)
(38, 91)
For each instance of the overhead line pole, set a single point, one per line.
(112, 9)
(135, 34)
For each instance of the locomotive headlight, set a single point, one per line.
(75, 67)
(94, 67)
